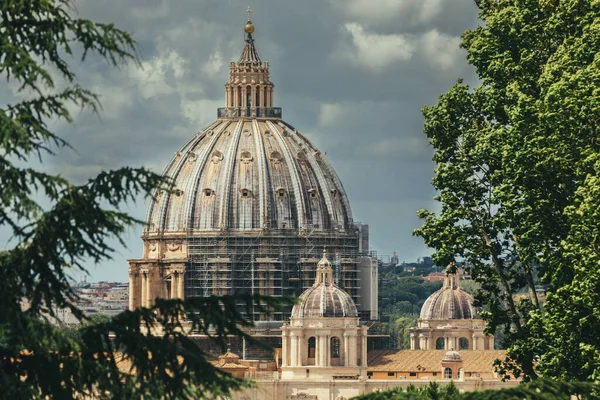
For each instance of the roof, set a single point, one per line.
(324, 298)
(430, 360)
(450, 302)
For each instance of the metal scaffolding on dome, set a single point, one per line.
(272, 263)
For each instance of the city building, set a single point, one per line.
(252, 205)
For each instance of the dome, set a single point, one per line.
(450, 302)
(452, 356)
(324, 298)
(250, 175)
(249, 170)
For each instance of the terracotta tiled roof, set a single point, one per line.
(476, 361)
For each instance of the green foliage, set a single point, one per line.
(402, 297)
(39, 359)
(517, 174)
(538, 390)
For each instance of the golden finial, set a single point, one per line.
(249, 28)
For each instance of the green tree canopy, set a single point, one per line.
(517, 173)
(38, 360)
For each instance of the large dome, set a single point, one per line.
(250, 174)
(324, 298)
(450, 302)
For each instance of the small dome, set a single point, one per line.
(450, 302)
(324, 298)
(452, 356)
(325, 301)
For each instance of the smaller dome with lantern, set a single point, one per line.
(325, 298)
(450, 302)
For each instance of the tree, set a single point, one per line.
(38, 360)
(517, 168)
(538, 390)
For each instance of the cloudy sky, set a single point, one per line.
(350, 74)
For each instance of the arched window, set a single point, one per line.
(335, 347)
(463, 344)
(312, 345)
(447, 373)
(439, 344)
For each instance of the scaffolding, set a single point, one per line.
(274, 263)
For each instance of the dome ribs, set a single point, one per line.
(263, 171)
(156, 214)
(191, 188)
(227, 175)
(294, 175)
(323, 186)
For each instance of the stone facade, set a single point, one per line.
(324, 338)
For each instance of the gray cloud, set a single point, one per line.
(352, 75)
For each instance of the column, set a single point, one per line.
(318, 350)
(268, 94)
(149, 280)
(323, 357)
(261, 97)
(328, 351)
(244, 98)
(173, 284)
(352, 345)
(144, 289)
(271, 95)
(491, 342)
(294, 350)
(133, 285)
(284, 344)
(363, 357)
(299, 349)
(180, 283)
(346, 350)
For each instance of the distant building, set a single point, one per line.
(394, 260)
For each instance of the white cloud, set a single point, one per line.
(441, 50)
(376, 51)
(214, 65)
(329, 114)
(156, 75)
(381, 11)
(200, 112)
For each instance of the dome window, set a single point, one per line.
(312, 193)
(246, 157)
(334, 193)
(280, 192)
(245, 193)
(217, 157)
(178, 192)
(247, 132)
(276, 157)
(301, 155)
(267, 133)
(210, 133)
(208, 192)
